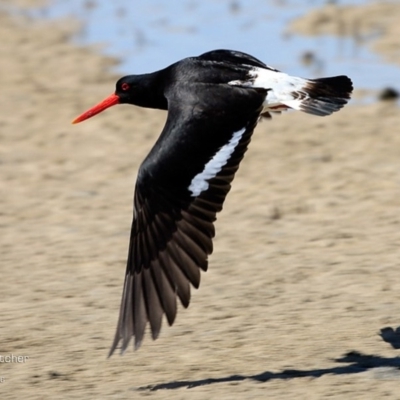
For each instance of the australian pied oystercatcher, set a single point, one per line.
(214, 102)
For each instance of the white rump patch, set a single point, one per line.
(281, 87)
(200, 181)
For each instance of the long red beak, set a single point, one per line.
(111, 100)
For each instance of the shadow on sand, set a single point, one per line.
(391, 336)
(356, 363)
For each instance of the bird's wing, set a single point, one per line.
(234, 57)
(181, 186)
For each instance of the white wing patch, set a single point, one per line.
(200, 181)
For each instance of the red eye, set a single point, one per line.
(125, 86)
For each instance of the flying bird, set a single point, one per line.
(214, 102)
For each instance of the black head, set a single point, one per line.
(129, 88)
(141, 90)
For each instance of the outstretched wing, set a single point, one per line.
(181, 186)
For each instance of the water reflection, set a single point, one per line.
(152, 34)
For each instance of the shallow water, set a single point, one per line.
(153, 34)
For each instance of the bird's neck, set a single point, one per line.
(150, 92)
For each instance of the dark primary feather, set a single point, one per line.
(172, 231)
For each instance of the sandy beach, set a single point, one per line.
(305, 270)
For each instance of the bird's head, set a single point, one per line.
(127, 90)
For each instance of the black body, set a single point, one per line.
(173, 224)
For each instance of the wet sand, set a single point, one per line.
(305, 270)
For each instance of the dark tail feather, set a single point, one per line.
(322, 96)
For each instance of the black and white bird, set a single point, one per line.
(214, 102)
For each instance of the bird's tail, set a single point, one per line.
(321, 96)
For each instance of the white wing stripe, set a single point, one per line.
(200, 181)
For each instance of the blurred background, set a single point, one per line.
(303, 37)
